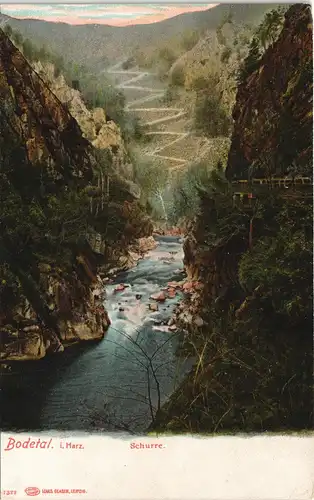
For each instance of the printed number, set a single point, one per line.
(9, 492)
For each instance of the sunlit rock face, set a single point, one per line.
(36, 116)
(104, 134)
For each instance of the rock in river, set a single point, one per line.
(160, 297)
(153, 307)
(171, 293)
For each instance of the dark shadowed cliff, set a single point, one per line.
(38, 119)
(248, 318)
(273, 111)
(65, 211)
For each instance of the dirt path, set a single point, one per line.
(171, 114)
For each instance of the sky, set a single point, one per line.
(113, 14)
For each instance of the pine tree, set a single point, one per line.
(43, 54)
(28, 49)
(8, 30)
(269, 29)
(251, 62)
(17, 37)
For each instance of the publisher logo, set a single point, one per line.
(32, 491)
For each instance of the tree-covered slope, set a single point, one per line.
(248, 322)
(65, 211)
(98, 44)
(273, 116)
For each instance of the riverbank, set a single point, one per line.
(108, 385)
(28, 340)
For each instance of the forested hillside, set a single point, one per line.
(100, 45)
(66, 210)
(250, 251)
(187, 142)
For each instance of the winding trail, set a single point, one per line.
(153, 93)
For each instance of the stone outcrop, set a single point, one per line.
(36, 116)
(103, 133)
(273, 111)
(77, 309)
(47, 147)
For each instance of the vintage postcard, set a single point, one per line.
(156, 242)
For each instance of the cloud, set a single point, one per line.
(113, 14)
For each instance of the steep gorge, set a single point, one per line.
(249, 322)
(68, 207)
(67, 178)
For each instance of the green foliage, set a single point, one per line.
(270, 27)
(214, 97)
(17, 37)
(254, 361)
(27, 48)
(187, 188)
(133, 129)
(38, 217)
(225, 55)
(58, 62)
(254, 369)
(210, 117)
(153, 181)
(185, 200)
(251, 62)
(43, 54)
(97, 91)
(189, 39)
(219, 30)
(244, 38)
(167, 55)
(281, 264)
(141, 58)
(103, 161)
(7, 29)
(46, 226)
(10, 288)
(149, 176)
(169, 96)
(177, 76)
(200, 83)
(220, 36)
(229, 18)
(265, 35)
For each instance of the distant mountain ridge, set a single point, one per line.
(98, 45)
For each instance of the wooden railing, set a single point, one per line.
(245, 192)
(283, 182)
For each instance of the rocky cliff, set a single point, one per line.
(272, 134)
(64, 208)
(102, 132)
(248, 322)
(273, 111)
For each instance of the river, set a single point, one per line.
(114, 384)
